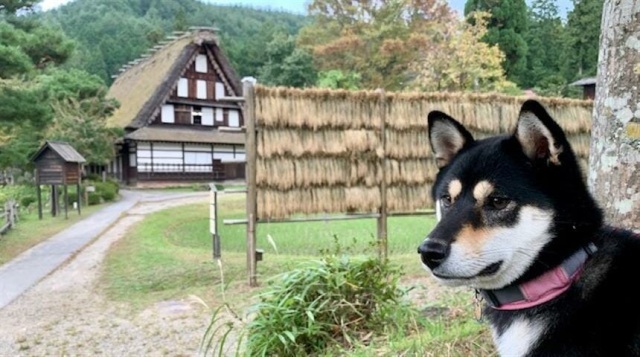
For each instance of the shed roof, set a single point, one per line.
(187, 135)
(585, 82)
(63, 149)
(143, 86)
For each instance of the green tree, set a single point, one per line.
(13, 6)
(337, 79)
(583, 27)
(507, 28)
(287, 65)
(546, 39)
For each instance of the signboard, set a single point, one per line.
(91, 188)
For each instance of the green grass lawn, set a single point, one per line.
(30, 231)
(169, 256)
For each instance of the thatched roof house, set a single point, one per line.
(177, 125)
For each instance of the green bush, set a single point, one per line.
(72, 197)
(113, 184)
(94, 198)
(26, 201)
(106, 190)
(335, 302)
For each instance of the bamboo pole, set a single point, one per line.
(382, 218)
(248, 91)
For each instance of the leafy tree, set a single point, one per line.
(287, 65)
(26, 45)
(13, 6)
(376, 39)
(583, 27)
(111, 33)
(337, 79)
(546, 38)
(507, 28)
(470, 63)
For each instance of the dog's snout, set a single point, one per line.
(433, 252)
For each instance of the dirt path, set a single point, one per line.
(65, 315)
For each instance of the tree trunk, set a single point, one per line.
(614, 161)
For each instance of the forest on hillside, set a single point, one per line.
(56, 66)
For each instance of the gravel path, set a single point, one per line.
(64, 315)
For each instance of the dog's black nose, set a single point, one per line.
(433, 252)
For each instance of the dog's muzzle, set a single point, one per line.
(433, 252)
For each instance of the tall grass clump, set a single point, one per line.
(336, 302)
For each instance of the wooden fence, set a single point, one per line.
(9, 216)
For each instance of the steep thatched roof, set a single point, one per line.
(187, 135)
(146, 83)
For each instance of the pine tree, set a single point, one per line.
(546, 57)
(507, 27)
(583, 27)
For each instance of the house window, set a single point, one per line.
(168, 114)
(183, 87)
(234, 119)
(196, 116)
(219, 90)
(201, 90)
(219, 115)
(201, 63)
(207, 116)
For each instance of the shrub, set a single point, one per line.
(113, 184)
(72, 197)
(338, 301)
(26, 201)
(94, 198)
(106, 190)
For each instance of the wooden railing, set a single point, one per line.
(9, 216)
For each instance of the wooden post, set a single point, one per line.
(54, 200)
(12, 213)
(382, 218)
(248, 92)
(66, 201)
(79, 196)
(39, 194)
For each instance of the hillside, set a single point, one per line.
(110, 33)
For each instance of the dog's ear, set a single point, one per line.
(540, 137)
(447, 137)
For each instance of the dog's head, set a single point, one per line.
(508, 207)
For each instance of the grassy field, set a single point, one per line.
(30, 230)
(169, 256)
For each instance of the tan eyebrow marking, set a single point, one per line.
(482, 190)
(455, 187)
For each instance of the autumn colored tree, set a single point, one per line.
(462, 61)
(376, 39)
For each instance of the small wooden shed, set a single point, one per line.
(588, 87)
(58, 164)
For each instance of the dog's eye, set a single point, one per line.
(498, 203)
(446, 200)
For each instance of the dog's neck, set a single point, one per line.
(543, 288)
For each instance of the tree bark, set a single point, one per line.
(614, 160)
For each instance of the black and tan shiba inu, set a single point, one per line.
(517, 223)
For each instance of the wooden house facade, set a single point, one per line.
(179, 124)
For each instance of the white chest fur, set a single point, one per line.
(519, 338)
